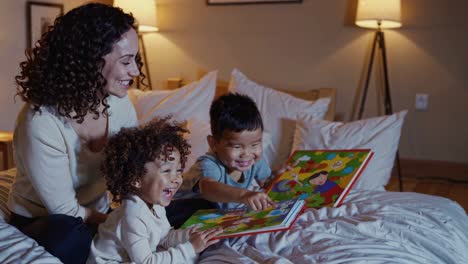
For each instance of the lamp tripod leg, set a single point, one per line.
(369, 73)
(380, 40)
(388, 99)
(388, 102)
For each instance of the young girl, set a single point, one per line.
(143, 168)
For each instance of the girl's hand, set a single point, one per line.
(202, 239)
(257, 201)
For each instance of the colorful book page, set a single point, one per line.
(243, 221)
(320, 177)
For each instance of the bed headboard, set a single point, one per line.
(312, 94)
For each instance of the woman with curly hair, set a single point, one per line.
(143, 169)
(74, 83)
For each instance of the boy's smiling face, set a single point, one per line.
(238, 151)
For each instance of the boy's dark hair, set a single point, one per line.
(315, 175)
(127, 152)
(234, 112)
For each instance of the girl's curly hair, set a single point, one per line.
(127, 152)
(63, 69)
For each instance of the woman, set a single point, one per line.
(74, 83)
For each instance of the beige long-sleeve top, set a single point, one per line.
(135, 233)
(56, 172)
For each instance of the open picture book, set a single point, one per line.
(239, 222)
(315, 178)
(320, 177)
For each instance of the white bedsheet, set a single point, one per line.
(15, 248)
(370, 227)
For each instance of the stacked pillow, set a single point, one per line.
(192, 102)
(189, 104)
(380, 134)
(290, 124)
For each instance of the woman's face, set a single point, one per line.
(120, 65)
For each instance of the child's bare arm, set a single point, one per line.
(219, 192)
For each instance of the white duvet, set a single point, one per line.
(370, 227)
(15, 248)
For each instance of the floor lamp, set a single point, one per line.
(144, 12)
(378, 14)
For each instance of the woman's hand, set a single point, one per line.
(202, 239)
(94, 217)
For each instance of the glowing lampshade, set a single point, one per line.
(379, 13)
(143, 10)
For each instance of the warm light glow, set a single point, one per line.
(6, 136)
(379, 13)
(143, 10)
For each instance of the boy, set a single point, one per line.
(232, 172)
(143, 168)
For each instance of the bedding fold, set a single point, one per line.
(370, 227)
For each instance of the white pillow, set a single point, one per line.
(190, 104)
(191, 101)
(380, 134)
(199, 130)
(279, 112)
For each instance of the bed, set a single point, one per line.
(15, 247)
(372, 225)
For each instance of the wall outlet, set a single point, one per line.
(421, 102)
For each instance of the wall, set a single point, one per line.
(12, 46)
(300, 46)
(314, 44)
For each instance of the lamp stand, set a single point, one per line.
(145, 61)
(379, 39)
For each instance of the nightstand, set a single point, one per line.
(6, 150)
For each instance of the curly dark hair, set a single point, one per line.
(234, 112)
(127, 152)
(63, 69)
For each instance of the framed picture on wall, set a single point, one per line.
(245, 2)
(40, 16)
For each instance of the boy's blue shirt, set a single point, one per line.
(210, 166)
